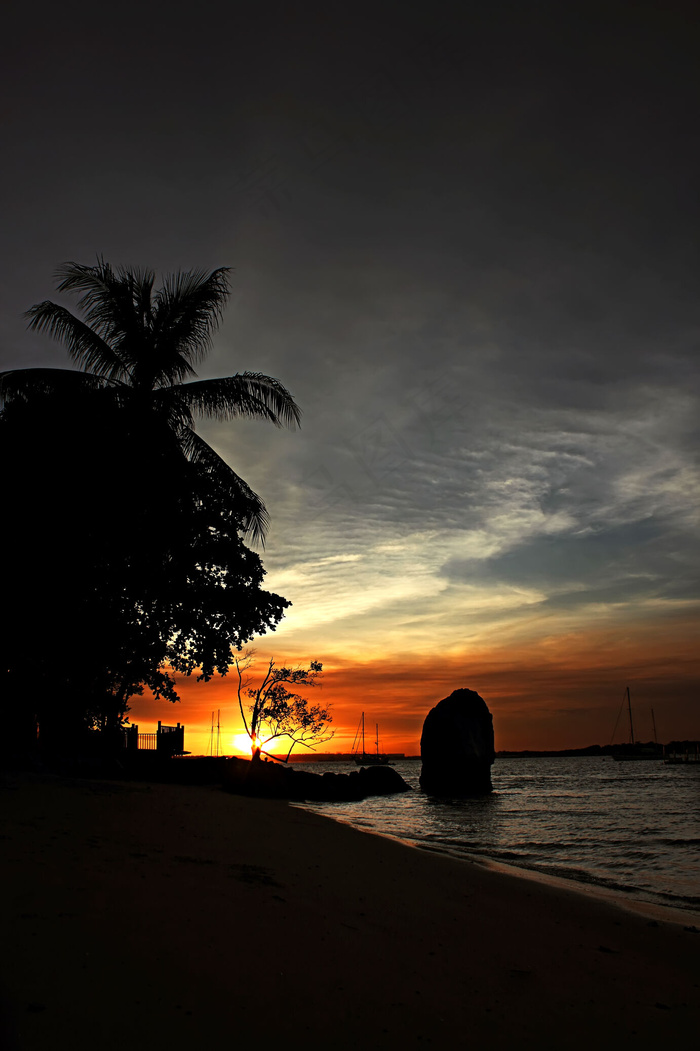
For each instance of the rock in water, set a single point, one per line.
(456, 746)
(381, 781)
(258, 778)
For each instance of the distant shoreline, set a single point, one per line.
(592, 751)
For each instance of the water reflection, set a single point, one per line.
(631, 827)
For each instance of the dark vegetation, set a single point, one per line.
(124, 554)
(276, 712)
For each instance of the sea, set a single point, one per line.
(631, 829)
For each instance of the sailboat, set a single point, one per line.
(634, 750)
(363, 758)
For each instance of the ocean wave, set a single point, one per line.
(626, 832)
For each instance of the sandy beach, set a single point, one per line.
(141, 915)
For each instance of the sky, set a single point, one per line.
(466, 241)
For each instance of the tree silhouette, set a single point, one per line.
(138, 348)
(278, 712)
(124, 559)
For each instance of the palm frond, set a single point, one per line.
(255, 516)
(104, 295)
(169, 367)
(117, 304)
(20, 385)
(187, 310)
(85, 346)
(168, 403)
(142, 291)
(252, 395)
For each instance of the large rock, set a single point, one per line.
(456, 746)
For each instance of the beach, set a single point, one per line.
(149, 915)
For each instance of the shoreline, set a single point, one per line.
(654, 910)
(637, 906)
(618, 898)
(153, 915)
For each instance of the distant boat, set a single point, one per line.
(635, 751)
(363, 758)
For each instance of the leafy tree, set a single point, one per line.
(277, 712)
(123, 530)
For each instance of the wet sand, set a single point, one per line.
(166, 916)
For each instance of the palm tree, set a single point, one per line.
(138, 348)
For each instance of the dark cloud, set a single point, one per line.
(642, 559)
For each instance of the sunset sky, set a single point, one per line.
(467, 242)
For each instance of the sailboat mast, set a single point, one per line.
(377, 741)
(629, 710)
(363, 734)
(653, 723)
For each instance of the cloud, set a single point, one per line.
(467, 247)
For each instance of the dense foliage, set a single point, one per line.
(124, 553)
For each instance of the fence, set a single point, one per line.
(167, 741)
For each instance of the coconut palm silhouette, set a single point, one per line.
(137, 347)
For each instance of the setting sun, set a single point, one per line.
(241, 744)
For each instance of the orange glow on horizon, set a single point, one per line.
(241, 745)
(552, 693)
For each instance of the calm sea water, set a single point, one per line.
(633, 828)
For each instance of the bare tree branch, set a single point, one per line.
(278, 712)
